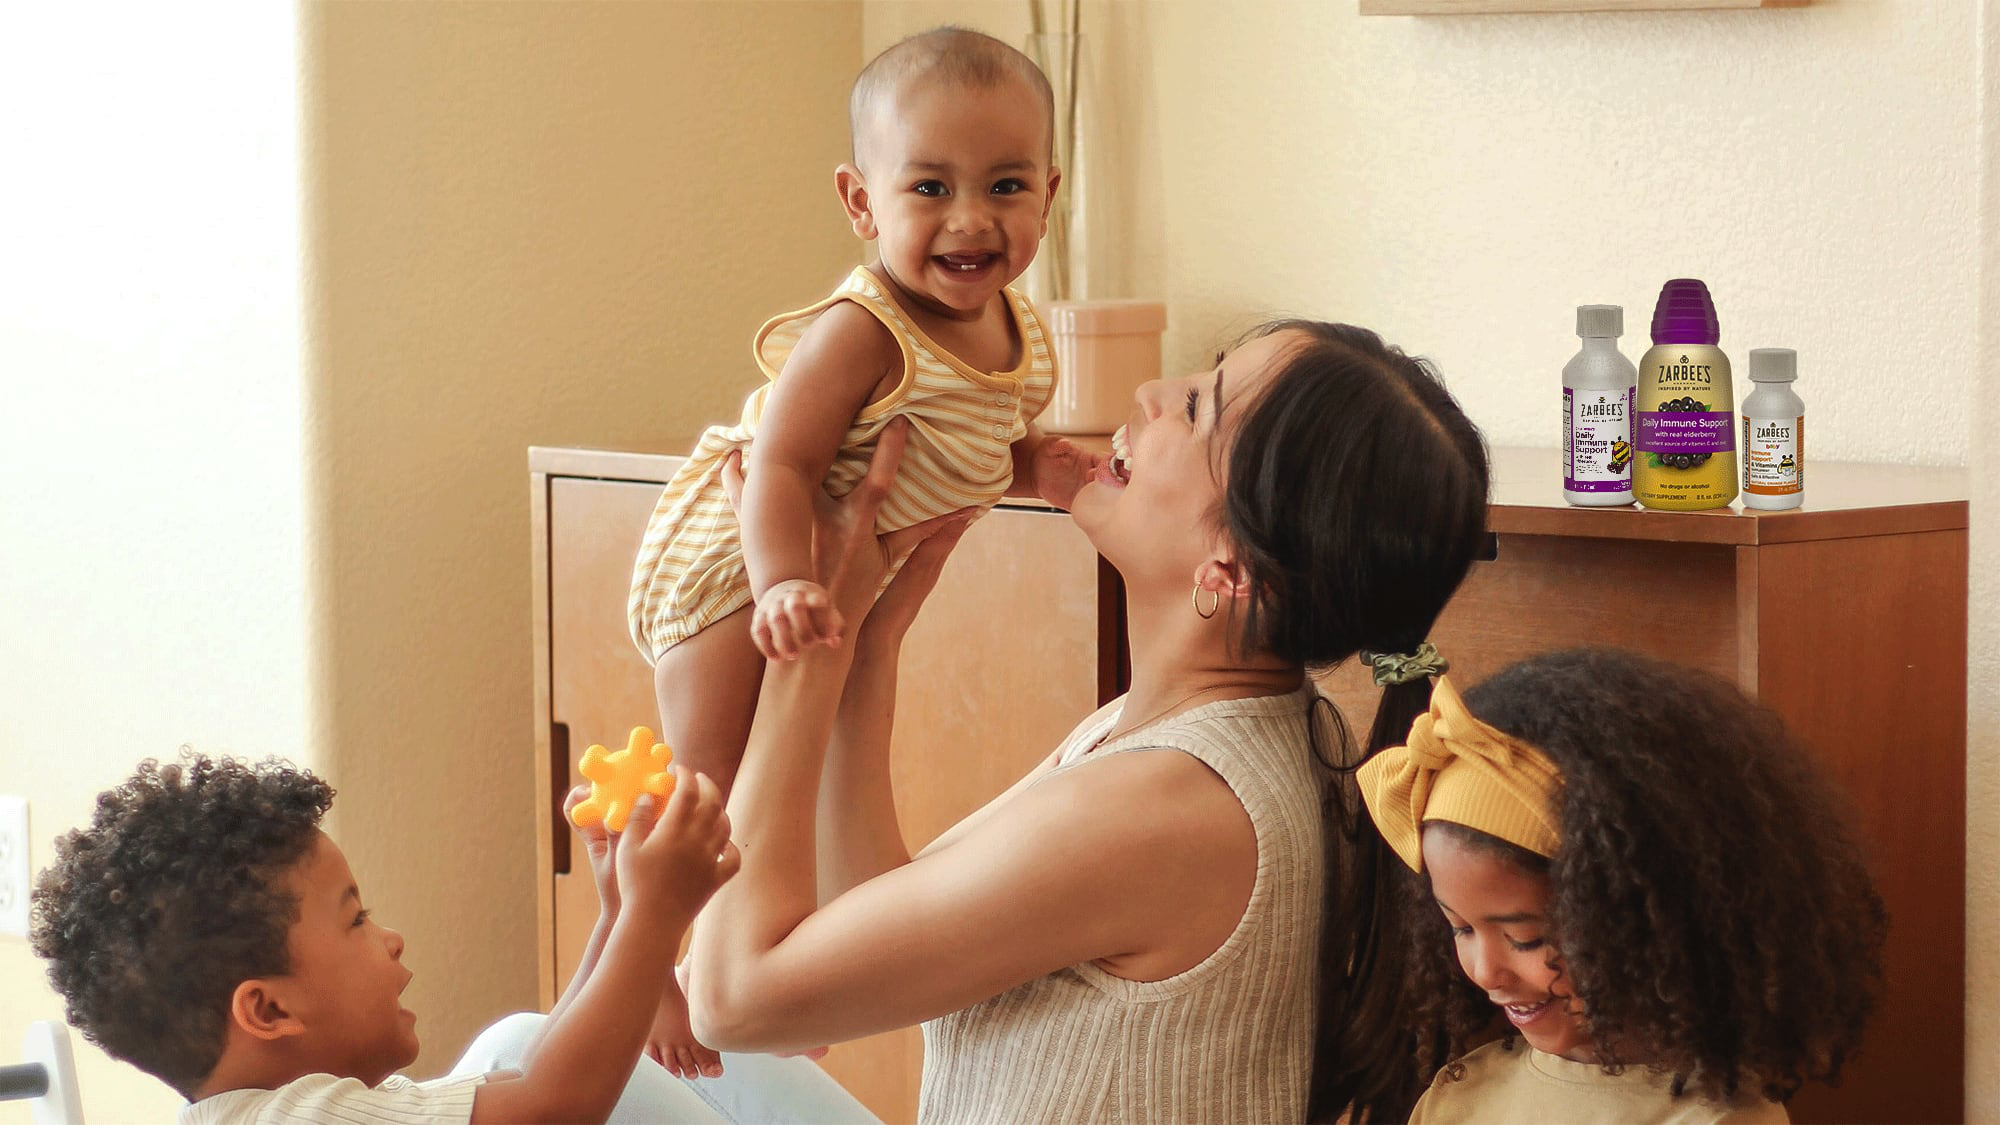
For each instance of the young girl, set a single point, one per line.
(952, 180)
(1645, 876)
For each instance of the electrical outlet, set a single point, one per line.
(15, 874)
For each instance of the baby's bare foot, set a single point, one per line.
(672, 1044)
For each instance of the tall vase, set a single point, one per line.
(1060, 271)
(1104, 347)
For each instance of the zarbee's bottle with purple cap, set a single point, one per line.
(1684, 429)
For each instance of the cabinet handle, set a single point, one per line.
(559, 789)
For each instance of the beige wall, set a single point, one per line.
(529, 223)
(1982, 791)
(1461, 183)
(151, 523)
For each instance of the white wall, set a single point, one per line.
(150, 515)
(1461, 183)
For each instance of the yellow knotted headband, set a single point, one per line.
(1457, 768)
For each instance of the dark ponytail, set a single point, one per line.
(1356, 493)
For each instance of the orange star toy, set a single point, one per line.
(618, 778)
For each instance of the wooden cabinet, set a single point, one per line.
(984, 699)
(1847, 617)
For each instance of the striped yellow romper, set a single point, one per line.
(690, 571)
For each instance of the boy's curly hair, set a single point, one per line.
(151, 916)
(1713, 909)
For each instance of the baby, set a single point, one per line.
(951, 178)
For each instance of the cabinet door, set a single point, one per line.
(599, 685)
(1017, 643)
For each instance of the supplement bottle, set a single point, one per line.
(1774, 432)
(1597, 412)
(1684, 433)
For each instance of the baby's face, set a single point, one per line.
(1499, 922)
(958, 187)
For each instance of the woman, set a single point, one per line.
(1133, 931)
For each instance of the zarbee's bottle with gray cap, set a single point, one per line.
(1774, 433)
(1597, 412)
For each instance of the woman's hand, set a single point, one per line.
(852, 559)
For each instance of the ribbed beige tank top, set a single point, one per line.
(1229, 1040)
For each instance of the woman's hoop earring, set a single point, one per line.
(1214, 602)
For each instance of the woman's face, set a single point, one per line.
(1146, 509)
(1500, 927)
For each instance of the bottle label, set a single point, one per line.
(1679, 432)
(1597, 440)
(1774, 456)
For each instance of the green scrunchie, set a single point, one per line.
(1402, 667)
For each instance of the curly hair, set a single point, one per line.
(151, 916)
(1714, 912)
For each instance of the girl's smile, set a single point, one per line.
(1498, 915)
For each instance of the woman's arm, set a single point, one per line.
(859, 834)
(1144, 859)
(1068, 871)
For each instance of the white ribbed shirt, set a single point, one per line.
(1228, 1040)
(322, 1099)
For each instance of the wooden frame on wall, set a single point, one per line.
(1495, 7)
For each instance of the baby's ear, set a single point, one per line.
(854, 200)
(259, 1009)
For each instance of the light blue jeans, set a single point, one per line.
(753, 1089)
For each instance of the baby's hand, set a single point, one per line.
(597, 843)
(671, 860)
(1061, 468)
(793, 616)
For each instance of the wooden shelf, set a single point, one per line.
(1500, 7)
(1843, 500)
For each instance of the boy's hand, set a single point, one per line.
(672, 859)
(793, 616)
(597, 843)
(1060, 468)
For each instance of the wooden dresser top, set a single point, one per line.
(1843, 499)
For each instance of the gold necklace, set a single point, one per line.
(1157, 715)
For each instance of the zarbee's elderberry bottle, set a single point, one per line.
(1684, 432)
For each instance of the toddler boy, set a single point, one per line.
(204, 929)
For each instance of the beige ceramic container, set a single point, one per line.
(1104, 351)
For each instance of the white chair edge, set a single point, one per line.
(47, 1042)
